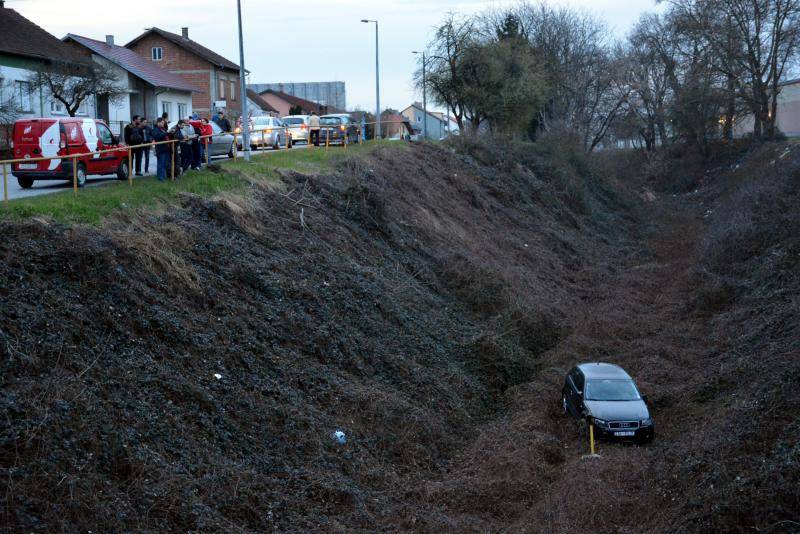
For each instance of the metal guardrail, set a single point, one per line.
(172, 142)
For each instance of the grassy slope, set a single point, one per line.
(92, 205)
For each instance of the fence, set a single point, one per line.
(260, 137)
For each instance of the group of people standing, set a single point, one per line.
(191, 136)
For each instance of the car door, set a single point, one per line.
(106, 163)
(219, 143)
(574, 392)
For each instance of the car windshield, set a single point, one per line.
(262, 121)
(330, 121)
(611, 390)
(293, 120)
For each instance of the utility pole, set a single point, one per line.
(377, 83)
(424, 98)
(243, 84)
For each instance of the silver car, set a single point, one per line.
(267, 132)
(222, 144)
(298, 126)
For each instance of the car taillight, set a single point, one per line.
(303, 126)
(269, 130)
(63, 143)
(341, 128)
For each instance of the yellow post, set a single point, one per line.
(591, 436)
(130, 166)
(173, 162)
(208, 149)
(262, 140)
(5, 183)
(75, 175)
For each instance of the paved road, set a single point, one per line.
(45, 187)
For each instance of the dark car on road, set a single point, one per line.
(604, 395)
(337, 129)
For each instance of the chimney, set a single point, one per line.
(109, 38)
(2, 3)
(185, 33)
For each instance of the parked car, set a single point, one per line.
(604, 395)
(222, 144)
(46, 137)
(266, 132)
(338, 128)
(298, 127)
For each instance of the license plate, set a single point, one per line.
(28, 166)
(627, 433)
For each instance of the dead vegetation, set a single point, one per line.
(185, 370)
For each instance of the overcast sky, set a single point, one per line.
(299, 41)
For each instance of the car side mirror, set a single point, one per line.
(644, 398)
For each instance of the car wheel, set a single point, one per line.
(277, 145)
(122, 170)
(25, 182)
(233, 150)
(81, 174)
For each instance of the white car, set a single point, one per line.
(298, 126)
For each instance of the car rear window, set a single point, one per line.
(262, 121)
(293, 120)
(330, 121)
(611, 390)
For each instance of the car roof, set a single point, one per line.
(603, 370)
(337, 115)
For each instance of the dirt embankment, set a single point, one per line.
(185, 371)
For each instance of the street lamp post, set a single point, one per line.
(424, 98)
(377, 83)
(243, 84)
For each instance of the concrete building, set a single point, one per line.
(329, 94)
(150, 89)
(217, 78)
(437, 124)
(788, 112)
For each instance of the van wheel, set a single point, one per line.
(25, 182)
(81, 175)
(123, 170)
(233, 149)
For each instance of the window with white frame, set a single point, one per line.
(24, 96)
(233, 90)
(222, 89)
(157, 53)
(56, 107)
(166, 107)
(83, 109)
(183, 111)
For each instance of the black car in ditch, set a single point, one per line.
(604, 395)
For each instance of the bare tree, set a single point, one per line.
(73, 83)
(446, 51)
(757, 39)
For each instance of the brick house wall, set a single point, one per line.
(197, 71)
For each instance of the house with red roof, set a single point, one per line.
(284, 103)
(150, 90)
(201, 67)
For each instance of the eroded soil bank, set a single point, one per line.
(184, 370)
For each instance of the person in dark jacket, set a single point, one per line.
(147, 137)
(126, 134)
(197, 153)
(163, 152)
(223, 122)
